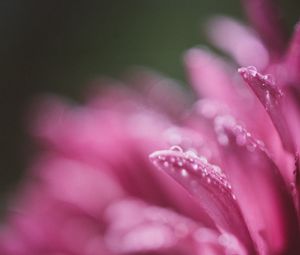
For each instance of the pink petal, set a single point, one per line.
(239, 41)
(296, 183)
(208, 185)
(209, 76)
(270, 96)
(159, 92)
(215, 80)
(260, 190)
(206, 113)
(136, 227)
(77, 183)
(292, 59)
(266, 19)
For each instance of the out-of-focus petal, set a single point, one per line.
(77, 134)
(266, 19)
(160, 93)
(208, 75)
(91, 189)
(292, 59)
(208, 185)
(239, 41)
(136, 227)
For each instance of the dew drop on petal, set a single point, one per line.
(252, 70)
(241, 139)
(166, 164)
(176, 148)
(184, 173)
(217, 169)
(203, 159)
(195, 166)
(161, 158)
(251, 147)
(191, 153)
(269, 78)
(223, 139)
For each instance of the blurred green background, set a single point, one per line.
(58, 46)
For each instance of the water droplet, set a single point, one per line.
(223, 139)
(203, 159)
(241, 139)
(191, 153)
(195, 166)
(160, 157)
(184, 173)
(251, 147)
(176, 148)
(252, 70)
(217, 169)
(208, 180)
(260, 143)
(166, 164)
(269, 78)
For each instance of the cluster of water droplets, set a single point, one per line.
(192, 169)
(226, 126)
(263, 85)
(251, 71)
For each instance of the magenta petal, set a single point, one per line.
(208, 185)
(265, 16)
(292, 58)
(209, 76)
(270, 96)
(296, 184)
(260, 190)
(215, 80)
(239, 41)
(137, 227)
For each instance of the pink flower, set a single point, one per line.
(223, 175)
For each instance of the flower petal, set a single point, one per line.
(215, 80)
(137, 227)
(292, 59)
(239, 41)
(270, 96)
(266, 19)
(261, 191)
(209, 76)
(208, 185)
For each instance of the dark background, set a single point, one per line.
(58, 46)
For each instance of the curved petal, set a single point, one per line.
(136, 227)
(270, 96)
(216, 80)
(266, 19)
(239, 41)
(261, 191)
(292, 59)
(208, 185)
